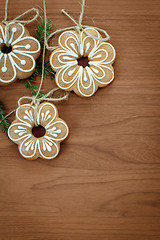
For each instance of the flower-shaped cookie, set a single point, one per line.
(17, 60)
(71, 76)
(31, 147)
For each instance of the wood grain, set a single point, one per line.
(105, 184)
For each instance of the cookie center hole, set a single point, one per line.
(38, 131)
(6, 49)
(83, 61)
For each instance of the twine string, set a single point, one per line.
(46, 97)
(79, 27)
(17, 20)
(36, 100)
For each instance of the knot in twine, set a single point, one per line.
(79, 27)
(34, 101)
(17, 20)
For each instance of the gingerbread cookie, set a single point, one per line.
(17, 60)
(84, 81)
(46, 146)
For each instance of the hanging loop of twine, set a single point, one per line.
(17, 19)
(46, 97)
(34, 101)
(79, 27)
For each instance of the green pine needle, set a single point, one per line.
(47, 69)
(40, 31)
(4, 121)
(31, 81)
(30, 84)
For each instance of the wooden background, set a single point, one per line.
(105, 184)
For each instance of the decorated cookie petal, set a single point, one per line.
(102, 75)
(58, 130)
(47, 114)
(60, 57)
(29, 148)
(16, 31)
(104, 53)
(48, 148)
(18, 131)
(85, 86)
(25, 115)
(28, 45)
(69, 42)
(24, 64)
(7, 69)
(67, 77)
(89, 44)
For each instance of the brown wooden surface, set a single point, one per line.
(105, 184)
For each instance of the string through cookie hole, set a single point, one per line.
(83, 61)
(38, 131)
(5, 49)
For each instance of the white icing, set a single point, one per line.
(71, 72)
(28, 57)
(67, 58)
(49, 141)
(98, 61)
(54, 131)
(29, 145)
(87, 46)
(98, 56)
(28, 46)
(46, 116)
(4, 69)
(95, 70)
(85, 76)
(23, 62)
(19, 51)
(14, 29)
(28, 116)
(20, 132)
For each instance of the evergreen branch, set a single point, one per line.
(40, 31)
(4, 122)
(33, 88)
(30, 83)
(48, 70)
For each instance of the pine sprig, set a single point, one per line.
(30, 84)
(40, 31)
(4, 121)
(31, 81)
(47, 69)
